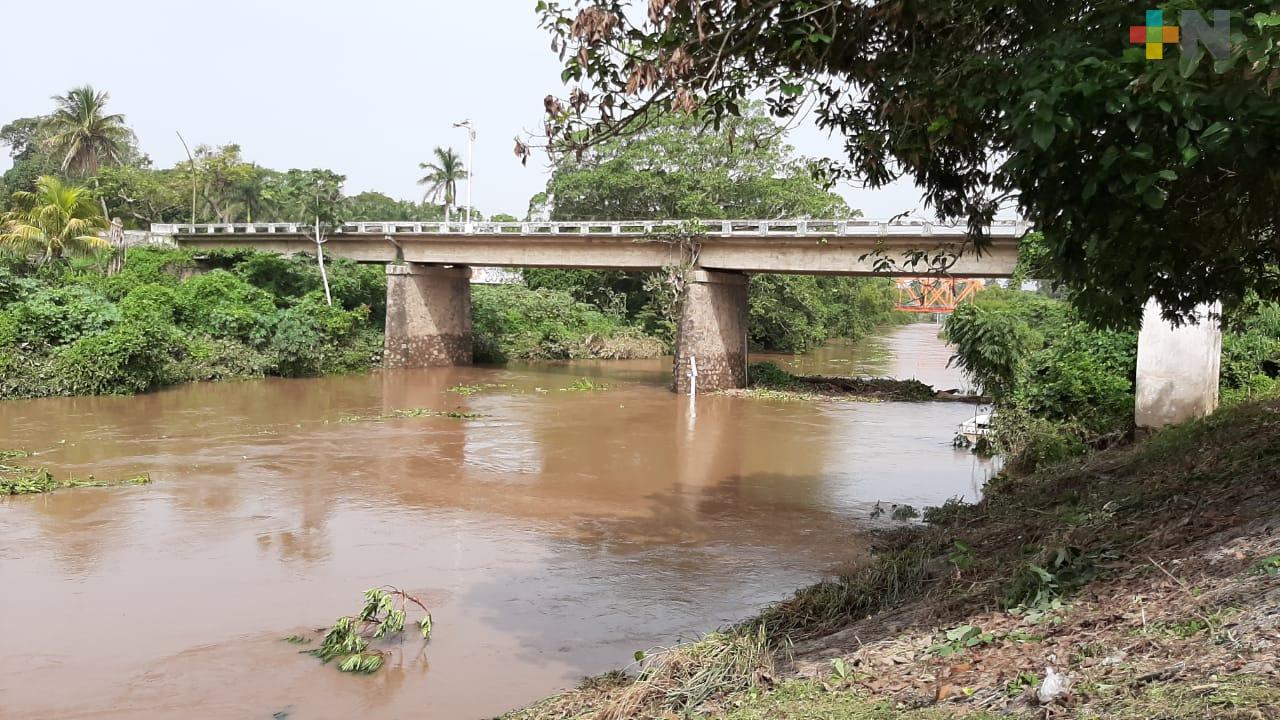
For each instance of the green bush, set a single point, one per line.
(222, 305)
(513, 322)
(133, 356)
(144, 266)
(60, 315)
(152, 303)
(1083, 375)
(796, 313)
(221, 359)
(313, 338)
(14, 287)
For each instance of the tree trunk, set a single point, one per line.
(324, 276)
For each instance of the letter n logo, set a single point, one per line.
(1196, 31)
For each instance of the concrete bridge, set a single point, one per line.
(428, 271)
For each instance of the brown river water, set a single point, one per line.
(552, 538)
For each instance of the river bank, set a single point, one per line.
(1144, 579)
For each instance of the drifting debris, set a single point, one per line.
(382, 617)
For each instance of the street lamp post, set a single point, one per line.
(471, 139)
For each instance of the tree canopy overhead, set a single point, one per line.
(1148, 178)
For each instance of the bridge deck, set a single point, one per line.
(847, 247)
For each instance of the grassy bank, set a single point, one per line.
(1148, 576)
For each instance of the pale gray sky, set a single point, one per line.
(363, 88)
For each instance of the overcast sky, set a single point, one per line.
(363, 88)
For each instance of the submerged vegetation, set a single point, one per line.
(1168, 541)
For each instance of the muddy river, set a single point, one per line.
(552, 537)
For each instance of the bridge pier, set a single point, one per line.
(428, 316)
(712, 332)
(1178, 368)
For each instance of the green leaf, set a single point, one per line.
(1154, 197)
(1042, 133)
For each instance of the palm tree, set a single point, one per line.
(83, 135)
(54, 220)
(442, 178)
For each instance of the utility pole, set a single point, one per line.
(471, 139)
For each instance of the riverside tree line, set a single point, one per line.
(71, 324)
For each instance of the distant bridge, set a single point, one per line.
(843, 247)
(429, 269)
(923, 295)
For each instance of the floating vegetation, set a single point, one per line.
(584, 384)
(473, 389)
(412, 413)
(24, 480)
(382, 617)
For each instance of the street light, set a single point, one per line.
(471, 138)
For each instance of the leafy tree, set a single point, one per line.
(442, 178)
(31, 159)
(141, 196)
(53, 220)
(1147, 179)
(83, 136)
(313, 196)
(676, 169)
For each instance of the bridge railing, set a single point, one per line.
(857, 227)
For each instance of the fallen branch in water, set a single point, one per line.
(383, 616)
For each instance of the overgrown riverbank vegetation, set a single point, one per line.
(67, 328)
(1144, 578)
(72, 321)
(1062, 386)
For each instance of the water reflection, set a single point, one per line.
(553, 536)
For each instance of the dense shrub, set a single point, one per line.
(1062, 386)
(313, 338)
(222, 359)
(61, 333)
(290, 278)
(513, 322)
(56, 316)
(151, 303)
(222, 305)
(131, 357)
(144, 266)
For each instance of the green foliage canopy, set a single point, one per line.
(1147, 179)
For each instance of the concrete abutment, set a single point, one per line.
(712, 332)
(1178, 368)
(428, 316)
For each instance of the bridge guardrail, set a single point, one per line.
(857, 227)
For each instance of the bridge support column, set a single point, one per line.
(428, 316)
(712, 332)
(1177, 377)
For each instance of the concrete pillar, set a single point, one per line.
(713, 331)
(428, 316)
(1177, 377)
